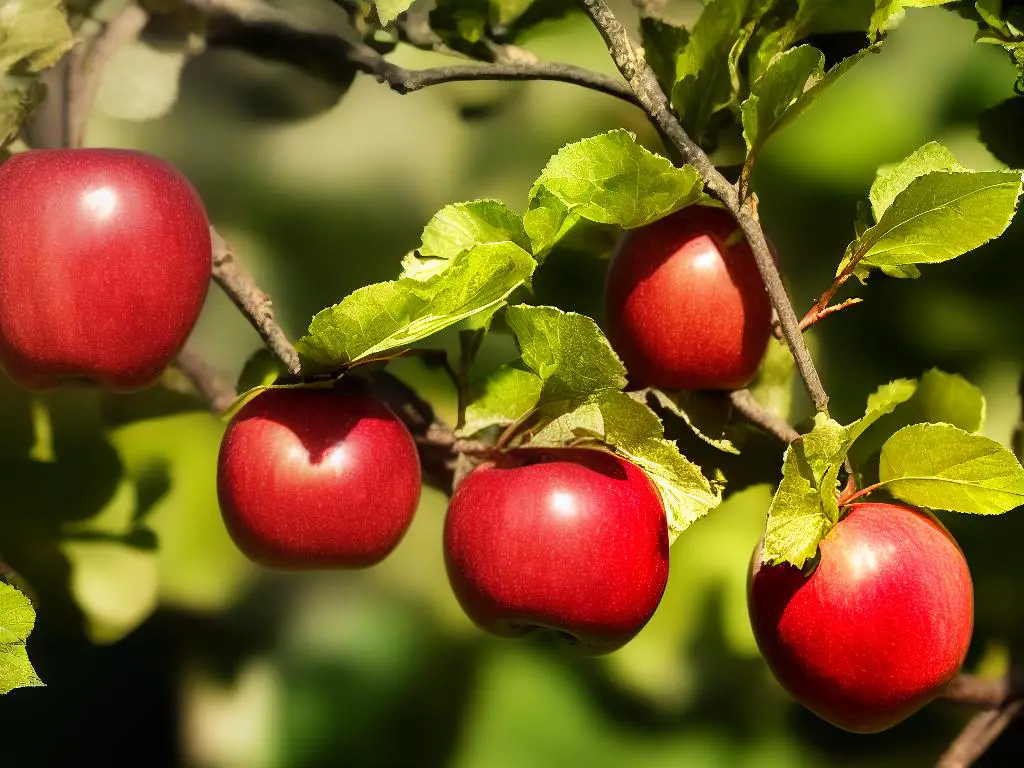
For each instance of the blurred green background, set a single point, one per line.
(240, 667)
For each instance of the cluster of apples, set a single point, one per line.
(104, 267)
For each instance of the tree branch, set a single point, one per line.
(241, 288)
(274, 35)
(642, 80)
(87, 64)
(218, 392)
(746, 404)
(978, 735)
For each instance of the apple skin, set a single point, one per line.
(685, 305)
(881, 625)
(105, 263)
(317, 478)
(573, 541)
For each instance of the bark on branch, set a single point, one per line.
(255, 304)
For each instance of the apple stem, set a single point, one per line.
(641, 78)
(846, 497)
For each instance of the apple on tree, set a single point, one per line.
(317, 478)
(685, 304)
(878, 629)
(574, 541)
(104, 266)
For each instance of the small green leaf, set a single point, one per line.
(504, 397)
(567, 351)
(805, 508)
(385, 317)
(707, 414)
(17, 618)
(634, 431)
(140, 82)
(888, 13)
(260, 370)
(936, 216)
(894, 179)
(19, 96)
(608, 179)
(34, 34)
(389, 10)
(883, 402)
(460, 227)
(937, 397)
(703, 82)
(564, 359)
(662, 42)
(943, 467)
(793, 81)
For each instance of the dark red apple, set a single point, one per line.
(881, 625)
(104, 266)
(572, 541)
(685, 304)
(317, 478)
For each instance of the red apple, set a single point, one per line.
(572, 541)
(881, 625)
(317, 478)
(685, 304)
(104, 266)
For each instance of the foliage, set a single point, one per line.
(739, 75)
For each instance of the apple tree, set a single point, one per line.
(581, 438)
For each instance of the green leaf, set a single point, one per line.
(894, 179)
(140, 82)
(943, 467)
(378, 319)
(634, 431)
(19, 96)
(460, 227)
(389, 10)
(608, 179)
(793, 81)
(804, 507)
(567, 351)
(662, 42)
(937, 397)
(261, 370)
(888, 13)
(564, 359)
(34, 34)
(503, 398)
(703, 82)
(883, 402)
(707, 414)
(787, 77)
(17, 618)
(936, 216)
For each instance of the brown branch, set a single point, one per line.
(978, 735)
(241, 288)
(985, 692)
(642, 80)
(206, 380)
(276, 36)
(438, 447)
(87, 63)
(746, 404)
